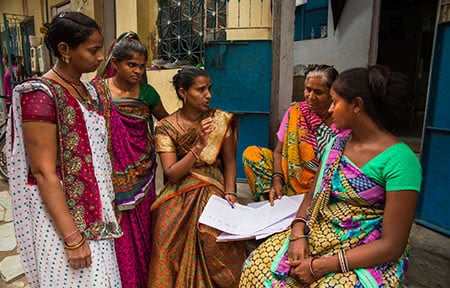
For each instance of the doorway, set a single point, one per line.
(405, 45)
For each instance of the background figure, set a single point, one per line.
(8, 80)
(197, 148)
(60, 171)
(304, 131)
(129, 106)
(20, 72)
(360, 212)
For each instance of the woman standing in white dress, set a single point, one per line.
(60, 169)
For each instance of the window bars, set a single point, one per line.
(184, 26)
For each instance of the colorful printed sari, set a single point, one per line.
(131, 147)
(346, 212)
(184, 252)
(298, 162)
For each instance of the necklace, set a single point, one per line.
(182, 121)
(183, 126)
(84, 98)
(113, 79)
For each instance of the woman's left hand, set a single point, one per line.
(231, 198)
(301, 271)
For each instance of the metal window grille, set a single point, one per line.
(185, 25)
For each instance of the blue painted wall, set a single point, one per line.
(433, 210)
(241, 73)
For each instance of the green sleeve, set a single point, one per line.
(403, 170)
(149, 95)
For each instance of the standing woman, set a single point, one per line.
(60, 169)
(129, 106)
(197, 147)
(8, 79)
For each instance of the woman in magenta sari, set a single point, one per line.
(129, 105)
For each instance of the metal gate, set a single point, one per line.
(241, 73)
(433, 210)
(15, 33)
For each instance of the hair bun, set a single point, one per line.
(378, 83)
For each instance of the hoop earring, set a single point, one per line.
(65, 58)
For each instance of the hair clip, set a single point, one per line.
(62, 14)
(132, 36)
(43, 30)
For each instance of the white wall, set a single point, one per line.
(346, 48)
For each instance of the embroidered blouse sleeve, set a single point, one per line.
(38, 106)
(164, 143)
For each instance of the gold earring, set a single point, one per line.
(66, 58)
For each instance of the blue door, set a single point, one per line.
(241, 73)
(433, 210)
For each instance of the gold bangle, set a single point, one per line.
(311, 270)
(295, 238)
(231, 193)
(76, 246)
(195, 154)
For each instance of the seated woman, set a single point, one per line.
(197, 148)
(360, 212)
(290, 169)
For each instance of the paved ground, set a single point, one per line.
(10, 268)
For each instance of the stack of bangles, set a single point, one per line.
(343, 261)
(295, 221)
(76, 246)
(195, 154)
(279, 175)
(231, 193)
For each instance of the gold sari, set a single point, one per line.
(184, 252)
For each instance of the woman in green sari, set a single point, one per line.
(197, 148)
(352, 229)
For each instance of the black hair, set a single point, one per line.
(72, 28)
(327, 73)
(127, 46)
(186, 77)
(13, 58)
(385, 94)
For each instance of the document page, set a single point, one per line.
(253, 221)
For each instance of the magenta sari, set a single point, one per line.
(131, 145)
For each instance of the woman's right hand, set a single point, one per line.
(80, 257)
(276, 191)
(206, 127)
(298, 250)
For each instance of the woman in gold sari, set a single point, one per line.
(197, 147)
